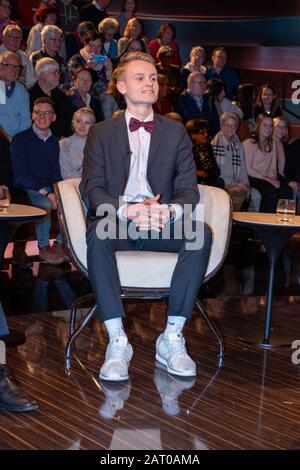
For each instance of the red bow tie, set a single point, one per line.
(135, 124)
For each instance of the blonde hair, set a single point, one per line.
(85, 110)
(108, 23)
(132, 57)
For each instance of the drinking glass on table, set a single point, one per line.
(4, 199)
(286, 210)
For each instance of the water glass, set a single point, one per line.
(4, 199)
(286, 209)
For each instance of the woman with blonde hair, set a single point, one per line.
(109, 28)
(134, 30)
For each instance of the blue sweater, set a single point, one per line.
(15, 113)
(35, 163)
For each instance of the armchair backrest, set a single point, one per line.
(72, 217)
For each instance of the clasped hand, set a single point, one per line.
(149, 214)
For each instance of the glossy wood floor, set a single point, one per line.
(252, 402)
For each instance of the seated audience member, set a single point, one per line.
(224, 72)
(134, 30)
(229, 153)
(133, 45)
(128, 10)
(194, 103)
(48, 75)
(287, 170)
(71, 148)
(163, 104)
(208, 171)
(165, 37)
(75, 40)
(5, 9)
(14, 113)
(267, 102)
(216, 90)
(80, 93)
(51, 37)
(245, 101)
(164, 66)
(12, 39)
(112, 100)
(101, 71)
(95, 12)
(261, 156)
(68, 15)
(197, 59)
(35, 169)
(109, 28)
(45, 15)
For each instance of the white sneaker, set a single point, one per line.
(116, 393)
(170, 351)
(117, 358)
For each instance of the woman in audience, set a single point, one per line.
(163, 104)
(101, 71)
(80, 92)
(128, 10)
(165, 37)
(109, 28)
(261, 155)
(267, 102)
(245, 101)
(45, 15)
(71, 148)
(216, 90)
(287, 170)
(134, 30)
(208, 171)
(112, 100)
(229, 154)
(197, 59)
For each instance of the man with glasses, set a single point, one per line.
(194, 103)
(14, 110)
(35, 169)
(12, 38)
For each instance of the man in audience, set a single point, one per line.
(48, 75)
(12, 38)
(224, 72)
(156, 180)
(95, 12)
(35, 169)
(14, 112)
(194, 103)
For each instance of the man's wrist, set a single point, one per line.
(44, 191)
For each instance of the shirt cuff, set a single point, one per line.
(119, 213)
(178, 211)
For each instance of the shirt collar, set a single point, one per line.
(37, 132)
(96, 4)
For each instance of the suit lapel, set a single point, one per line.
(156, 138)
(122, 140)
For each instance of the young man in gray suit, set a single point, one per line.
(146, 162)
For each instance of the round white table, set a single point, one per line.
(275, 235)
(16, 215)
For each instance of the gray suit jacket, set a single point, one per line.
(171, 169)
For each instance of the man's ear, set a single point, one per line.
(54, 117)
(121, 87)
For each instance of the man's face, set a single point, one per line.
(219, 59)
(139, 84)
(104, 3)
(51, 77)
(43, 115)
(12, 39)
(52, 45)
(197, 85)
(5, 9)
(10, 68)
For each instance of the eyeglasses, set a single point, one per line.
(12, 66)
(14, 38)
(230, 126)
(43, 113)
(5, 5)
(199, 83)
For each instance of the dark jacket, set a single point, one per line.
(187, 107)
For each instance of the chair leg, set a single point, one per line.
(75, 334)
(214, 329)
(75, 307)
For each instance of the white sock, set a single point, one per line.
(174, 324)
(114, 327)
